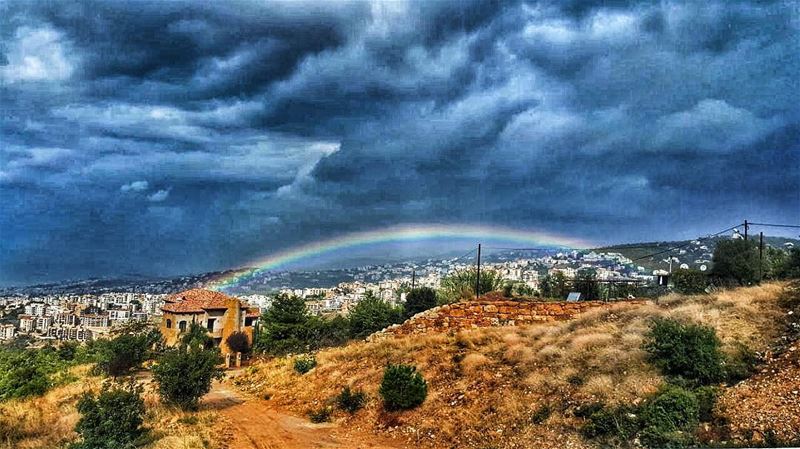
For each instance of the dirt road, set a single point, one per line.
(255, 424)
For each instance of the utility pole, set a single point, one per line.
(478, 275)
(761, 256)
(413, 277)
(746, 227)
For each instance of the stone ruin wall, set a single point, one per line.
(490, 313)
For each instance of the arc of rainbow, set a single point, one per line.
(400, 233)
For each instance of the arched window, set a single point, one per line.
(169, 324)
(182, 325)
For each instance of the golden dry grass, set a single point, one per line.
(485, 384)
(48, 422)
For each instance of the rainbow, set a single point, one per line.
(399, 234)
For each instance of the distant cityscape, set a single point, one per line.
(63, 312)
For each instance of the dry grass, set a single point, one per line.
(485, 384)
(48, 422)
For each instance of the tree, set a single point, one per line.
(554, 286)
(197, 335)
(111, 420)
(238, 342)
(689, 282)
(420, 300)
(460, 285)
(586, 283)
(123, 353)
(736, 260)
(787, 266)
(285, 327)
(372, 314)
(184, 374)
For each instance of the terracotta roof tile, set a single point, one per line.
(196, 301)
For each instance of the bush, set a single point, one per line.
(351, 401)
(238, 342)
(541, 414)
(741, 364)
(320, 415)
(689, 282)
(372, 314)
(184, 374)
(419, 300)
(688, 350)
(110, 420)
(305, 363)
(706, 400)
(402, 387)
(736, 260)
(609, 423)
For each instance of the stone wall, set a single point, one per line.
(488, 313)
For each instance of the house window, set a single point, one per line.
(182, 325)
(210, 324)
(169, 324)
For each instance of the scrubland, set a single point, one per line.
(48, 422)
(516, 386)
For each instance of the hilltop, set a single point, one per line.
(524, 386)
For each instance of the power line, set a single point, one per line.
(774, 225)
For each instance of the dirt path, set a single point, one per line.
(255, 424)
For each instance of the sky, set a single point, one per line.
(162, 138)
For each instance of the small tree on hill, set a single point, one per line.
(684, 349)
(197, 336)
(402, 387)
(586, 283)
(112, 419)
(419, 300)
(184, 374)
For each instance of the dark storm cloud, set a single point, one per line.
(166, 137)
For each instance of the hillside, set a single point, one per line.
(694, 253)
(521, 386)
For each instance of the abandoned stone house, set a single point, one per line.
(221, 315)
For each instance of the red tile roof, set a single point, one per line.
(197, 301)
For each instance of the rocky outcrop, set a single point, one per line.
(488, 312)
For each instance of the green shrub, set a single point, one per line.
(541, 414)
(741, 364)
(320, 415)
(706, 400)
(402, 387)
(30, 372)
(110, 420)
(351, 401)
(609, 423)
(688, 350)
(184, 374)
(689, 282)
(460, 285)
(305, 363)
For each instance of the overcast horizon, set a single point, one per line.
(182, 137)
